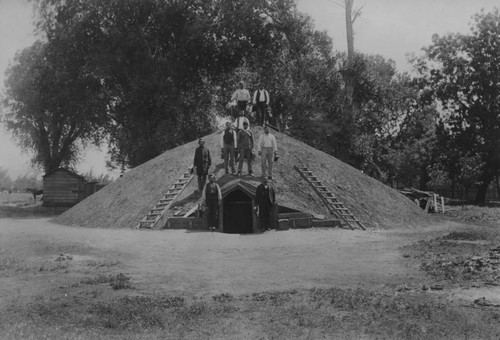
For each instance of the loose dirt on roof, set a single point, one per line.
(125, 202)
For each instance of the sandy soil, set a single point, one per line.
(201, 263)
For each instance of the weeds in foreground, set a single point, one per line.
(462, 258)
(117, 282)
(14, 264)
(476, 235)
(315, 313)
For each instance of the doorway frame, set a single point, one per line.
(249, 194)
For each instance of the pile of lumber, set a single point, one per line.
(427, 200)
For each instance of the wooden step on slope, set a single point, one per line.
(163, 204)
(330, 200)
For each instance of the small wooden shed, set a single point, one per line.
(63, 188)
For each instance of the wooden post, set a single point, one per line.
(442, 204)
(435, 203)
(220, 217)
(255, 224)
(428, 204)
(274, 216)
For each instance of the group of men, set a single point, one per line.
(265, 199)
(238, 139)
(260, 101)
(241, 142)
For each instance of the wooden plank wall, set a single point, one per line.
(62, 189)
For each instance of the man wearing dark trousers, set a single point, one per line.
(245, 146)
(228, 145)
(265, 199)
(261, 101)
(202, 163)
(212, 198)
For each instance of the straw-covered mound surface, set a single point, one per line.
(123, 203)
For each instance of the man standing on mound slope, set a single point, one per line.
(202, 163)
(245, 145)
(268, 149)
(227, 146)
(265, 198)
(212, 198)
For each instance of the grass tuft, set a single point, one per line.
(117, 282)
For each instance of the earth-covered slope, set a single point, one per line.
(123, 203)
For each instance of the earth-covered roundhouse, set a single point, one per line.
(127, 201)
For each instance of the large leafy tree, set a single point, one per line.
(53, 105)
(160, 63)
(462, 72)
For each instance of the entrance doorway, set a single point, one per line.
(237, 213)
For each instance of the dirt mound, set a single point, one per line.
(123, 203)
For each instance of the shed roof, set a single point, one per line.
(69, 172)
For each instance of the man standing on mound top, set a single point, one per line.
(212, 198)
(202, 163)
(268, 151)
(265, 199)
(242, 97)
(228, 145)
(261, 101)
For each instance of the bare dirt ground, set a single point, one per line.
(73, 282)
(201, 263)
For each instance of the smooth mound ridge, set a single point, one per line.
(123, 203)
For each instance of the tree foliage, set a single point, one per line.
(158, 72)
(462, 73)
(54, 105)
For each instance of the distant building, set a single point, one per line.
(64, 188)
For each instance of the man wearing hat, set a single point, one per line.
(261, 101)
(202, 163)
(228, 140)
(268, 152)
(238, 123)
(245, 146)
(242, 97)
(265, 199)
(211, 197)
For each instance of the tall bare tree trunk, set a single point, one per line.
(348, 103)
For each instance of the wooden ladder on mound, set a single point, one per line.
(166, 201)
(332, 202)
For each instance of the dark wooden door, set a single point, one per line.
(237, 213)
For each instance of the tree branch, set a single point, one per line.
(357, 13)
(336, 3)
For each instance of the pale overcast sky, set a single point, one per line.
(391, 28)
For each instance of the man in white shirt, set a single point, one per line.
(261, 101)
(268, 149)
(242, 97)
(240, 121)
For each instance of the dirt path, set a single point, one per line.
(200, 263)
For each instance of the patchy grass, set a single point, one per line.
(22, 205)
(476, 214)
(468, 257)
(102, 264)
(117, 282)
(46, 247)
(11, 264)
(313, 314)
(467, 235)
